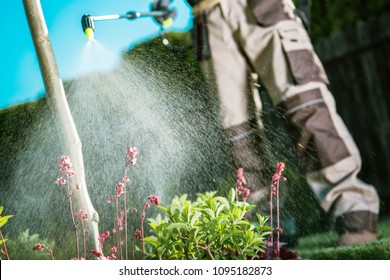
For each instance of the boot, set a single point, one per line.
(356, 227)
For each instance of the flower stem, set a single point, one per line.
(125, 209)
(73, 220)
(5, 246)
(118, 228)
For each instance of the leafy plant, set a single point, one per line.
(3, 221)
(20, 247)
(212, 227)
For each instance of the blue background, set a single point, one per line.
(21, 79)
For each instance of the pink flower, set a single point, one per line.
(112, 256)
(278, 174)
(77, 187)
(154, 199)
(70, 173)
(246, 192)
(65, 164)
(38, 246)
(240, 182)
(138, 234)
(240, 177)
(279, 229)
(60, 181)
(65, 168)
(119, 189)
(126, 179)
(131, 155)
(103, 236)
(109, 200)
(277, 177)
(82, 214)
(64, 160)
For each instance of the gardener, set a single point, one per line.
(236, 38)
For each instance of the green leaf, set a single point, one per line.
(162, 208)
(1, 209)
(220, 208)
(177, 226)
(195, 218)
(209, 213)
(151, 240)
(187, 210)
(4, 220)
(249, 235)
(232, 195)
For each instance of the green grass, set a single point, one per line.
(323, 246)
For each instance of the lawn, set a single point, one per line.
(323, 246)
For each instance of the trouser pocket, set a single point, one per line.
(270, 12)
(303, 62)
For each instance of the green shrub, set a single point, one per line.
(212, 227)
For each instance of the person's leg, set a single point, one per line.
(229, 78)
(294, 77)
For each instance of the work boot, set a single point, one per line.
(356, 227)
(351, 238)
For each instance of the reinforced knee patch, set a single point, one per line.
(311, 123)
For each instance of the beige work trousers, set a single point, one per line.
(295, 82)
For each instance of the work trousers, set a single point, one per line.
(280, 52)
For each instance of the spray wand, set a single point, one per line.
(88, 21)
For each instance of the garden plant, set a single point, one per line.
(211, 227)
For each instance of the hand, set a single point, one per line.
(169, 15)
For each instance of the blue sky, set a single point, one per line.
(21, 79)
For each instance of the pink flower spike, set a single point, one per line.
(60, 181)
(38, 246)
(119, 189)
(103, 236)
(131, 155)
(154, 199)
(138, 234)
(70, 173)
(64, 160)
(246, 192)
(82, 214)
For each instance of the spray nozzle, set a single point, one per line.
(88, 26)
(88, 21)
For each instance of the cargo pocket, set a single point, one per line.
(304, 64)
(270, 12)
